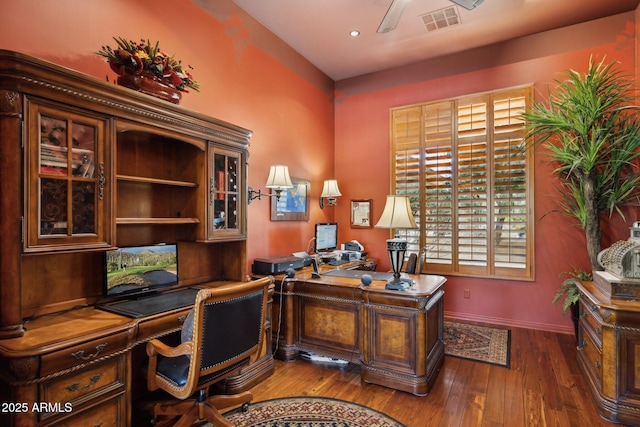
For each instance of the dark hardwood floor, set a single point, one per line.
(543, 387)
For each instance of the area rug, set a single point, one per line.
(309, 411)
(479, 343)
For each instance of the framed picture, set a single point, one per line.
(293, 204)
(361, 213)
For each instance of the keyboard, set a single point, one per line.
(335, 262)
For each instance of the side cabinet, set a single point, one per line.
(609, 353)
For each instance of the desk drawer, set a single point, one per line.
(591, 319)
(90, 382)
(162, 325)
(83, 353)
(592, 355)
(111, 412)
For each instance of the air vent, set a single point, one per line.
(440, 19)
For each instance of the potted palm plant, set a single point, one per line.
(590, 129)
(569, 291)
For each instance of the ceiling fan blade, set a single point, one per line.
(391, 18)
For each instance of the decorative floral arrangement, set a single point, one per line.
(144, 58)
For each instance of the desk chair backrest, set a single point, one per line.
(228, 329)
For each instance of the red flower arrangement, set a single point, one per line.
(144, 58)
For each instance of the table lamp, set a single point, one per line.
(397, 214)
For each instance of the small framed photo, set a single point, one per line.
(293, 204)
(361, 213)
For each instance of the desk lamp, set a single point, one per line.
(397, 214)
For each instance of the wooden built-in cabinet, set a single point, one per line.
(67, 161)
(226, 198)
(89, 166)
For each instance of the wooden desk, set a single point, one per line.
(396, 336)
(75, 368)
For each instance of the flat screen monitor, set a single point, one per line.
(138, 270)
(326, 236)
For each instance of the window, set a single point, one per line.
(464, 165)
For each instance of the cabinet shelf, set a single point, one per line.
(146, 180)
(135, 221)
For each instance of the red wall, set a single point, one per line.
(251, 79)
(248, 77)
(362, 132)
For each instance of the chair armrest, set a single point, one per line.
(157, 347)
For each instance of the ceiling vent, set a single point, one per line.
(467, 4)
(440, 19)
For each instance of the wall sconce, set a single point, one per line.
(397, 214)
(330, 191)
(278, 181)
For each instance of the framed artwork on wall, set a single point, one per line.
(293, 204)
(361, 213)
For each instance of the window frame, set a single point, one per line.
(432, 128)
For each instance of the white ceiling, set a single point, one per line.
(319, 29)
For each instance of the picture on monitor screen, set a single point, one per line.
(326, 236)
(141, 269)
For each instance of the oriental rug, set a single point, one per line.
(478, 343)
(309, 411)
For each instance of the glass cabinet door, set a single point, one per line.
(67, 182)
(226, 211)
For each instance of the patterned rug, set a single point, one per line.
(309, 411)
(479, 343)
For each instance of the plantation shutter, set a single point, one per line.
(406, 125)
(464, 165)
(472, 196)
(439, 184)
(511, 202)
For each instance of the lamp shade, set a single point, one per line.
(397, 213)
(279, 177)
(330, 189)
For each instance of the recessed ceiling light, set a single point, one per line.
(354, 33)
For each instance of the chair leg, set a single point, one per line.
(210, 410)
(174, 407)
(211, 414)
(223, 401)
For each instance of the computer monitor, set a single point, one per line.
(138, 270)
(326, 236)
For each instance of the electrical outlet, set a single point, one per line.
(467, 293)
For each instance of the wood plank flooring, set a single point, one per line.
(543, 387)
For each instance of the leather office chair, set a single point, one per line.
(410, 266)
(228, 331)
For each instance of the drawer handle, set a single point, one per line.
(181, 319)
(97, 425)
(596, 363)
(92, 381)
(80, 354)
